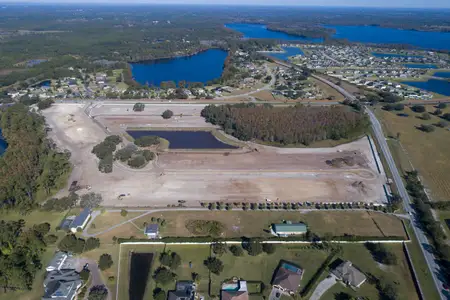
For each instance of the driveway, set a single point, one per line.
(96, 276)
(323, 286)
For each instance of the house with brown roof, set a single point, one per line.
(287, 277)
(349, 274)
(234, 290)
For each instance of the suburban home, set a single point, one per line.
(184, 290)
(234, 290)
(286, 229)
(80, 220)
(61, 285)
(349, 274)
(152, 231)
(61, 260)
(287, 277)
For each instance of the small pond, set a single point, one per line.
(3, 144)
(288, 51)
(421, 66)
(432, 85)
(185, 139)
(140, 267)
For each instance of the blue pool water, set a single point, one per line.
(185, 139)
(289, 51)
(376, 54)
(442, 74)
(202, 67)
(3, 144)
(258, 31)
(433, 85)
(421, 66)
(381, 35)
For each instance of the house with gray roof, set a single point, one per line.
(234, 290)
(152, 231)
(184, 290)
(61, 285)
(61, 260)
(349, 274)
(287, 277)
(287, 229)
(80, 220)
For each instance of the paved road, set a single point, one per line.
(96, 277)
(323, 286)
(420, 235)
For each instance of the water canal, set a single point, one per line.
(185, 139)
(140, 267)
(202, 67)
(288, 52)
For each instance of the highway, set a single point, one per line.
(420, 235)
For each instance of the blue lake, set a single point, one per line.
(202, 67)
(3, 144)
(421, 66)
(376, 54)
(258, 31)
(185, 139)
(289, 51)
(442, 74)
(381, 35)
(433, 85)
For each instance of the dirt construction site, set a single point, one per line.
(254, 174)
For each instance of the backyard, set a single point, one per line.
(260, 268)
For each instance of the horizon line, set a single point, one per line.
(107, 3)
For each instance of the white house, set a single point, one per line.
(152, 231)
(81, 220)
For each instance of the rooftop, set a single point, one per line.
(288, 276)
(184, 290)
(151, 228)
(349, 274)
(81, 218)
(290, 227)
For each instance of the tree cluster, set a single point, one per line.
(147, 140)
(133, 156)
(30, 166)
(104, 151)
(98, 292)
(171, 260)
(61, 204)
(214, 265)
(105, 261)
(167, 114)
(381, 254)
(290, 125)
(21, 250)
(71, 243)
(91, 200)
(164, 276)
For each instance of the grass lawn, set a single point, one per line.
(255, 223)
(35, 217)
(421, 267)
(398, 274)
(260, 268)
(108, 219)
(417, 146)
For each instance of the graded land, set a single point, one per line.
(253, 173)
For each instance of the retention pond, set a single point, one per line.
(140, 267)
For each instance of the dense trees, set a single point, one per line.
(20, 253)
(146, 141)
(253, 247)
(167, 114)
(219, 248)
(426, 128)
(30, 166)
(137, 161)
(418, 108)
(171, 260)
(60, 204)
(91, 200)
(107, 147)
(214, 265)
(98, 292)
(236, 250)
(43, 104)
(71, 243)
(290, 125)
(105, 261)
(164, 276)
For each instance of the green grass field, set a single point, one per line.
(417, 146)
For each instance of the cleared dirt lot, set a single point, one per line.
(290, 174)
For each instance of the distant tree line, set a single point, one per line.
(288, 125)
(31, 168)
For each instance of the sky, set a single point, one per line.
(355, 3)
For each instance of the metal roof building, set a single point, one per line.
(285, 229)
